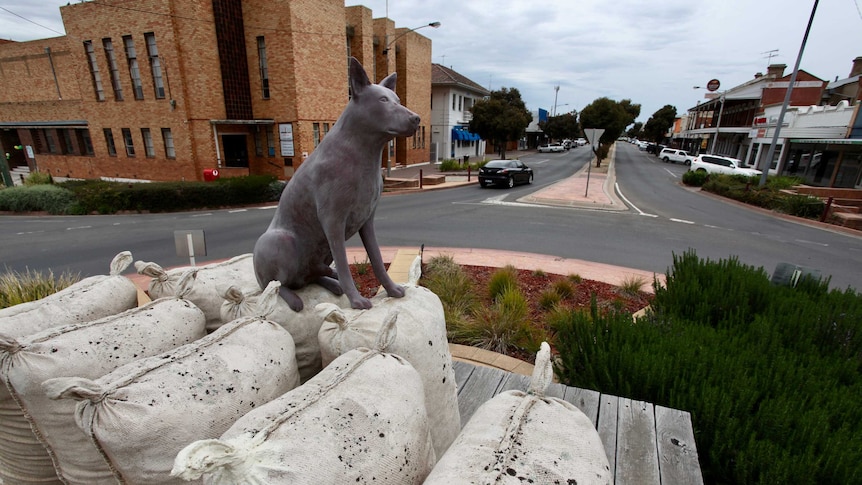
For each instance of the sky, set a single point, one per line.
(651, 52)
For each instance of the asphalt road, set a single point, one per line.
(665, 219)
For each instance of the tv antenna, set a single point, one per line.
(769, 55)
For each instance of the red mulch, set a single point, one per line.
(532, 284)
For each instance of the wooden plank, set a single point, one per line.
(637, 456)
(607, 427)
(676, 447)
(481, 386)
(462, 372)
(513, 382)
(586, 400)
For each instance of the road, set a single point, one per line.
(665, 219)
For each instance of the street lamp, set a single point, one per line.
(389, 44)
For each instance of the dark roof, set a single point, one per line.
(441, 75)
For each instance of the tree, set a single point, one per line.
(610, 115)
(501, 118)
(562, 126)
(636, 130)
(634, 110)
(658, 124)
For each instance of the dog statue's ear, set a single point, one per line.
(358, 78)
(389, 81)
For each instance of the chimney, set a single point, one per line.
(758, 75)
(776, 70)
(857, 67)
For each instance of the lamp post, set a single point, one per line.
(389, 44)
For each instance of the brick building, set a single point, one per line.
(165, 90)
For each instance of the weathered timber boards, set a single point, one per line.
(645, 444)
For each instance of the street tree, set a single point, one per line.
(659, 123)
(636, 130)
(611, 116)
(502, 117)
(561, 126)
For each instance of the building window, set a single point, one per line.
(66, 142)
(168, 138)
(108, 45)
(262, 66)
(325, 130)
(130, 144)
(84, 141)
(460, 103)
(94, 70)
(155, 65)
(109, 141)
(316, 133)
(134, 71)
(149, 149)
(270, 141)
(258, 142)
(454, 99)
(49, 141)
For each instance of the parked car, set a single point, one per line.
(673, 155)
(552, 147)
(719, 164)
(581, 142)
(642, 145)
(505, 172)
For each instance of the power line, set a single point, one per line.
(28, 20)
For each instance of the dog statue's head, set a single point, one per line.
(379, 106)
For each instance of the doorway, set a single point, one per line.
(235, 150)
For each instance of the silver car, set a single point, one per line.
(719, 164)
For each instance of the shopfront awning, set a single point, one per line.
(58, 124)
(464, 135)
(829, 141)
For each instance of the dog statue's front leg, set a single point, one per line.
(369, 240)
(345, 279)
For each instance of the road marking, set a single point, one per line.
(202, 215)
(267, 207)
(78, 227)
(29, 232)
(236, 210)
(673, 219)
(617, 187)
(803, 241)
(495, 200)
(671, 173)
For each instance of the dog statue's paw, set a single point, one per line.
(396, 291)
(360, 303)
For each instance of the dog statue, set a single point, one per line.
(333, 195)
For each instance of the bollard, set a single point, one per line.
(420, 178)
(826, 210)
(468, 173)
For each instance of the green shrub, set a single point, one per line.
(632, 285)
(49, 198)
(783, 182)
(502, 280)
(38, 178)
(565, 288)
(770, 374)
(17, 288)
(802, 206)
(695, 178)
(452, 285)
(549, 298)
(502, 327)
(449, 165)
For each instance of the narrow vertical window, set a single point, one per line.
(316, 133)
(325, 129)
(258, 142)
(149, 149)
(134, 71)
(155, 65)
(66, 141)
(270, 141)
(454, 98)
(130, 144)
(94, 70)
(108, 45)
(109, 142)
(85, 144)
(168, 139)
(49, 140)
(262, 66)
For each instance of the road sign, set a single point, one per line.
(593, 135)
(713, 85)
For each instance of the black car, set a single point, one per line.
(505, 172)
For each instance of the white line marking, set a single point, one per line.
(681, 220)
(617, 187)
(203, 215)
(29, 232)
(267, 207)
(495, 200)
(671, 173)
(79, 227)
(812, 242)
(237, 210)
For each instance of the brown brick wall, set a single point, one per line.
(306, 45)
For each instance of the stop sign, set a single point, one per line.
(713, 85)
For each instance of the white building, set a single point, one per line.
(452, 96)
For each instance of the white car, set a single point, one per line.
(581, 142)
(673, 155)
(719, 164)
(553, 147)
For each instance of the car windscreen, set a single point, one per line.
(497, 164)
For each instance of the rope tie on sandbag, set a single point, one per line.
(120, 262)
(9, 344)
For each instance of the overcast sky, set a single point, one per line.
(652, 52)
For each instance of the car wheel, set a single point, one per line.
(530, 180)
(701, 170)
(483, 184)
(665, 159)
(510, 182)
